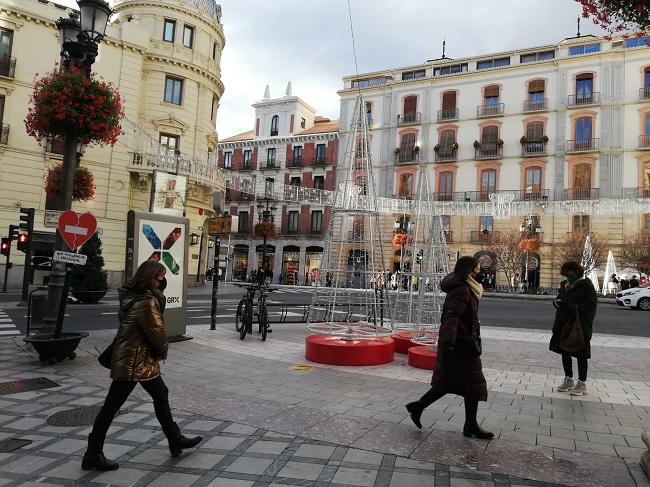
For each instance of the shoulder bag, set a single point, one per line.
(572, 339)
(468, 346)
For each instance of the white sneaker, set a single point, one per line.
(580, 389)
(567, 385)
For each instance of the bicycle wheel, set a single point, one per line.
(247, 320)
(264, 322)
(238, 314)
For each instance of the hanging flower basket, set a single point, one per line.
(67, 101)
(400, 239)
(84, 183)
(264, 229)
(529, 245)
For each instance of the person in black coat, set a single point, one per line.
(458, 367)
(577, 295)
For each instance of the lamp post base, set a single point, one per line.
(51, 349)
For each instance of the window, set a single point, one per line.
(493, 63)
(295, 181)
(583, 133)
(491, 99)
(319, 182)
(584, 88)
(646, 124)
(449, 103)
(320, 153)
(489, 138)
(582, 50)
(582, 177)
(275, 121)
(410, 106)
(405, 189)
(486, 223)
(188, 36)
(292, 222)
(447, 140)
(248, 158)
(214, 51)
(407, 145)
(297, 154)
(534, 57)
(270, 156)
(303, 122)
(533, 180)
(173, 90)
(169, 143)
(535, 137)
(2, 109)
(581, 223)
(488, 182)
(446, 223)
(6, 43)
(169, 31)
(453, 69)
(268, 187)
(213, 112)
(365, 83)
(316, 221)
(646, 83)
(646, 223)
(242, 226)
(369, 112)
(227, 160)
(536, 89)
(446, 185)
(637, 42)
(409, 75)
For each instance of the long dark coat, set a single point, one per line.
(458, 375)
(583, 295)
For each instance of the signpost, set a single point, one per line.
(70, 258)
(217, 227)
(76, 229)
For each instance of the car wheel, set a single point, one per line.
(644, 304)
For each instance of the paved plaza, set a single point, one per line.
(266, 422)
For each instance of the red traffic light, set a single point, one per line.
(5, 246)
(22, 238)
(23, 242)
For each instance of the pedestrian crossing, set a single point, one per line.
(290, 290)
(7, 327)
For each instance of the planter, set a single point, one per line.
(88, 297)
(55, 349)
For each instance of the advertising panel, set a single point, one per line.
(169, 195)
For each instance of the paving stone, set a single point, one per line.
(456, 482)
(26, 424)
(253, 466)
(606, 438)
(68, 445)
(410, 479)
(628, 452)
(169, 479)
(200, 460)
(137, 434)
(240, 429)
(270, 447)
(114, 451)
(555, 442)
(151, 456)
(519, 436)
(363, 456)
(589, 447)
(201, 425)
(570, 434)
(70, 470)
(222, 443)
(27, 463)
(355, 476)
(299, 470)
(315, 451)
(225, 482)
(414, 464)
(123, 476)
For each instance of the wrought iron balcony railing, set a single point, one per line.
(636, 192)
(7, 66)
(408, 118)
(536, 105)
(581, 194)
(584, 145)
(644, 93)
(581, 99)
(488, 151)
(483, 236)
(295, 163)
(644, 141)
(448, 114)
(320, 160)
(407, 157)
(4, 134)
(533, 148)
(446, 155)
(269, 165)
(491, 110)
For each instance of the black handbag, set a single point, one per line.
(468, 346)
(104, 358)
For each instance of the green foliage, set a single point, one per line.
(92, 276)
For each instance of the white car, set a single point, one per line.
(638, 298)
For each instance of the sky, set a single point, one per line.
(308, 42)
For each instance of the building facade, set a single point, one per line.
(553, 123)
(289, 145)
(164, 57)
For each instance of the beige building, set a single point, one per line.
(559, 124)
(164, 58)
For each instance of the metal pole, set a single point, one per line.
(215, 284)
(27, 272)
(7, 265)
(198, 267)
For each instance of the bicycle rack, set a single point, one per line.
(29, 307)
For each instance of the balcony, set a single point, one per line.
(533, 194)
(409, 118)
(584, 145)
(321, 161)
(644, 93)
(536, 105)
(581, 194)
(407, 157)
(483, 236)
(492, 110)
(644, 141)
(446, 155)
(4, 134)
(533, 148)
(289, 232)
(269, 166)
(447, 196)
(448, 114)
(7, 66)
(295, 163)
(488, 151)
(583, 99)
(636, 192)
(449, 236)
(274, 133)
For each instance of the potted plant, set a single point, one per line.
(400, 239)
(83, 188)
(454, 146)
(477, 144)
(396, 151)
(416, 149)
(264, 229)
(88, 283)
(545, 139)
(523, 140)
(436, 148)
(500, 142)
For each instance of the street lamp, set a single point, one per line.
(265, 214)
(529, 227)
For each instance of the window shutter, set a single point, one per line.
(490, 134)
(585, 76)
(447, 138)
(535, 131)
(449, 100)
(536, 85)
(491, 91)
(410, 104)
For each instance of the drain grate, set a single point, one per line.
(81, 416)
(25, 385)
(7, 446)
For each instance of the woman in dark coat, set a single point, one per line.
(458, 370)
(577, 294)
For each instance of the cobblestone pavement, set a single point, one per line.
(268, 425)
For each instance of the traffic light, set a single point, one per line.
(418, 257)
(5, 246)
(23, 242)
(27, 219)
(13, 232)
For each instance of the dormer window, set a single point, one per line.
(275, 121)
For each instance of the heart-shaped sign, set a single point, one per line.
(76, 229)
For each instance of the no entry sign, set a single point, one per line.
(76, 229)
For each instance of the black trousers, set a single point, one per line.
(433, 394)
(118, 393)
(567, 363)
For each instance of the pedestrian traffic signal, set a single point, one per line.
(13, 232)
(418, 257)
(23, 242)
(27, 219)
(5, 246)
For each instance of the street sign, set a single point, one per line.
(70, 257)
(51, 218)
(219, 226)
(76, 229)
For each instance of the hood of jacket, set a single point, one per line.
(450, 282)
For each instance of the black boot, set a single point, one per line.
(94, 458)
(471, 427)
(178, 442)
(415, 409)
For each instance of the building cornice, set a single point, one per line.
(191, 67)
(325, 136)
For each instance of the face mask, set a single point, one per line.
(571, 279)
(162, 285)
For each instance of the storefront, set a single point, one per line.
(313, 263)
(487, 261)
(240, 262)
(290, 265)
(270, 257)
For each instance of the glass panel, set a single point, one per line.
(583, 132)
(188, 34)
(168, 35)
(270, 153)
(293, 221)
(486, 223)
(446, 223)
(646, 81)
(242, 226)
(247, 157)
(446, 182)
(488, 181)
(582, 177)
(647, 125)
(297, 153)
(320, 152)
(6, 38)
(316, 220)
(584, 89)
(319, 182)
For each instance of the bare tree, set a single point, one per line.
(636, 251)
(509, 256)
(572, 248)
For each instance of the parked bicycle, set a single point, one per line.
(246, 313)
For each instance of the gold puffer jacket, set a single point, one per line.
(141, 340)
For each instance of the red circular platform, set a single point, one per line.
(422, 357)
(332, 350)
(403, 341)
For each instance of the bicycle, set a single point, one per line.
(244, 314)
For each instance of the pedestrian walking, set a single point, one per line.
(634, 282)
(140, 343)
(458, 366)
(577, 299)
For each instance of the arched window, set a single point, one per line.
(534, 138)
(405, 189)
(446, 186)
(275, 121)
(447, 140)
(488, 183)
(406, 148)
(584, 89)
(533, 182)
(489, 138)
(584, 137)
(646, 83)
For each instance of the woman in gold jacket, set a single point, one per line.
(140, 343)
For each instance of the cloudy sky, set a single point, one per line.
(308, 42)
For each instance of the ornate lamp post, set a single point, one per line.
(265, 214)
(529, 228)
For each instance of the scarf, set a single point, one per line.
(476, 288)
(568, 286)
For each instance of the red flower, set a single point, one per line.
(83, 186)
